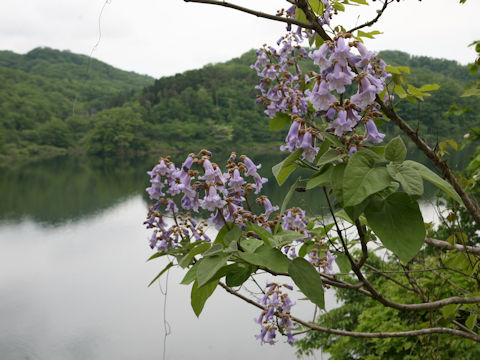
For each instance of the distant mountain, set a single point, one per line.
(65, 65)
(50, 104)
(46, 96)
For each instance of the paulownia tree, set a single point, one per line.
(372, 191)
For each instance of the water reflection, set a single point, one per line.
(64, 189)
(73, 279)
(78, 291)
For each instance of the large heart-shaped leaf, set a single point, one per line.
(398, 222)
(362, 179)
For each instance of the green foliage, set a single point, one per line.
(398, 222)
(48, 98)
(363, 314)
(118, 131)
(308, 280)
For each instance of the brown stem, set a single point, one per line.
(254, 12)
(373, 21)
(441, 164)
(428, 331)
(447, 245)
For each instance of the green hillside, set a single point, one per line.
(122, 113)
(48, 96)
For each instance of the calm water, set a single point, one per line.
(73, 279)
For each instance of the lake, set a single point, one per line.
(73, 279)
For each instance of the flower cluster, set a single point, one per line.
(223, 194)
(342, 64)
(276, 315)
(324, 262)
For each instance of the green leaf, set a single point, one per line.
(429, 87)
(354, 212)
(330, 156)
(338, 6)
(286, 237)
(433, 178)
(208, 266)
(300, 15)
(280, 121)
(260, 231)
(449, 310)
(238, 274)
(398, 222)
(408, 177)
(397, 69)
(308, 280)
(342, 214)
(283, 170)
(200, 294)
(199, 249)
(320, 178)
(191, 275)
(306, 248)
(336, 179)
(213, 250)
(389, 190)
(251, 244)
(233, 234)
(369, 34)
(471, 92)
(156, 255)
(317, 6)
(471, 321)
(268, 257)
(169, 265)
(219, 239)
(362, 179)
(396, 150)
(399, 90)
(343, 263)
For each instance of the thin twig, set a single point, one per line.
(373, 21)
(428, 331)
(254, 12)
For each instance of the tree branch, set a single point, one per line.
(373, 21)
(441, 164)
(254, 12)
(428, 331)
(447, 245)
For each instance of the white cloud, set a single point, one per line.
(162, 37)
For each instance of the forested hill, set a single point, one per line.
(48, 98)
(223, 95)
(117, 112)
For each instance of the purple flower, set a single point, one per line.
(341, 76)
(212, 200)
(153, 240)
(365, 95)
(320, 97)
(353, 150)
(319, 57)
(342, 52)
(329, 264)
(309, 152)
(292, 138)
(268, 207)
(236, 181)
(171, 207)
(342, 124)
(251, 167)
(373, 135)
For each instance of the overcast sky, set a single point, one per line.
(163, 37)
